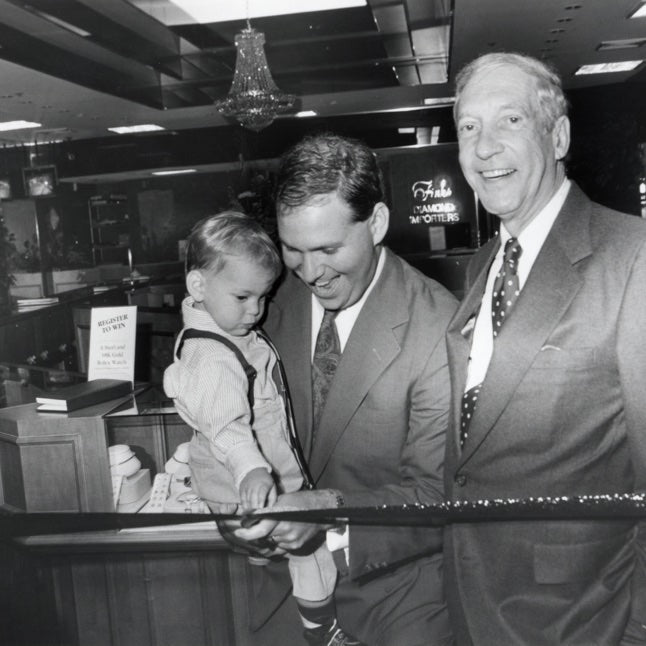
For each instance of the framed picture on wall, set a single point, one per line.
(5, 188)
(39, 180)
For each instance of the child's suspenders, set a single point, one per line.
(250, 371)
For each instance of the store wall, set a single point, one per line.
(608, 126)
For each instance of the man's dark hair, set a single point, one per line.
(326, 163)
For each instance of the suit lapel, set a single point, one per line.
(370, 349)
(552, 284)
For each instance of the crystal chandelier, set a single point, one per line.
(254, 100)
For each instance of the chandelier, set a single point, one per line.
(254, 100)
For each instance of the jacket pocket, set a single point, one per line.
(571, 359)
(575, 562)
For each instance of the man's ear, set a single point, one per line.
(561, 137)
(378, 222)
(195, 285)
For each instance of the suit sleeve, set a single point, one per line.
(631, 353)
(420, 471)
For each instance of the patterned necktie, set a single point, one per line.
(505, 292)
(506, 287)
(327, 353)
(469, 400)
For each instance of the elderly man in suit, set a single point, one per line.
(548, 356)
(377, 436)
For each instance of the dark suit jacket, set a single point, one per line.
(380, 441)
(562, 411)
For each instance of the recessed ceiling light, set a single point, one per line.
(639, 12)
(625, 43)
(608, 68)
(445, 100)
(177, 171)
(406, 131)
(145, 127)
(206, 12)
(61, 23)
(18, 125)
(306, 113)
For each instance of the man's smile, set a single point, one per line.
(497, 174)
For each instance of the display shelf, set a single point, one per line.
(110, 228)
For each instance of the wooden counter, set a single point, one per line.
(163, 592)
(165, 587)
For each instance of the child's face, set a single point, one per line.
(234, 296)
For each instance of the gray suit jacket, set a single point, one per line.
(562, 411)
(380, 441)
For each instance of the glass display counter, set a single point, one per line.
(67, 462)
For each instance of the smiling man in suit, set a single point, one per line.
(377, 436)
(547, 354)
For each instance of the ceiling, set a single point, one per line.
(128, 62)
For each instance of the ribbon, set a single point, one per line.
(39, 523)
(594, 507)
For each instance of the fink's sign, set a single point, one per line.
(432, 206)
(433, 202)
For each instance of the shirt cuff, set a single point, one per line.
(338, 542)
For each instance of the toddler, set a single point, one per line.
(242, 454)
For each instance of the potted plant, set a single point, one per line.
(7, 250)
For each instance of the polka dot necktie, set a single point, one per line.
(505, 292)
(327, 353)
(469, 400)
(506, 287)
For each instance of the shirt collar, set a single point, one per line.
(533, 236)
(346, 318)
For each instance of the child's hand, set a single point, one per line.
(257, 489)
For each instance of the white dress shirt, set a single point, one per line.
(346, 318)
(531, 240)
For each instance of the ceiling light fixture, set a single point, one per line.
(144, 127)
(624, 43)
(608, 68)
(178, 171)
(639, 12)
(18, 125)
(440, 101)
(61, 23)
(178, 12)
(254, 99)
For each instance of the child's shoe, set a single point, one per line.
(329, 635)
